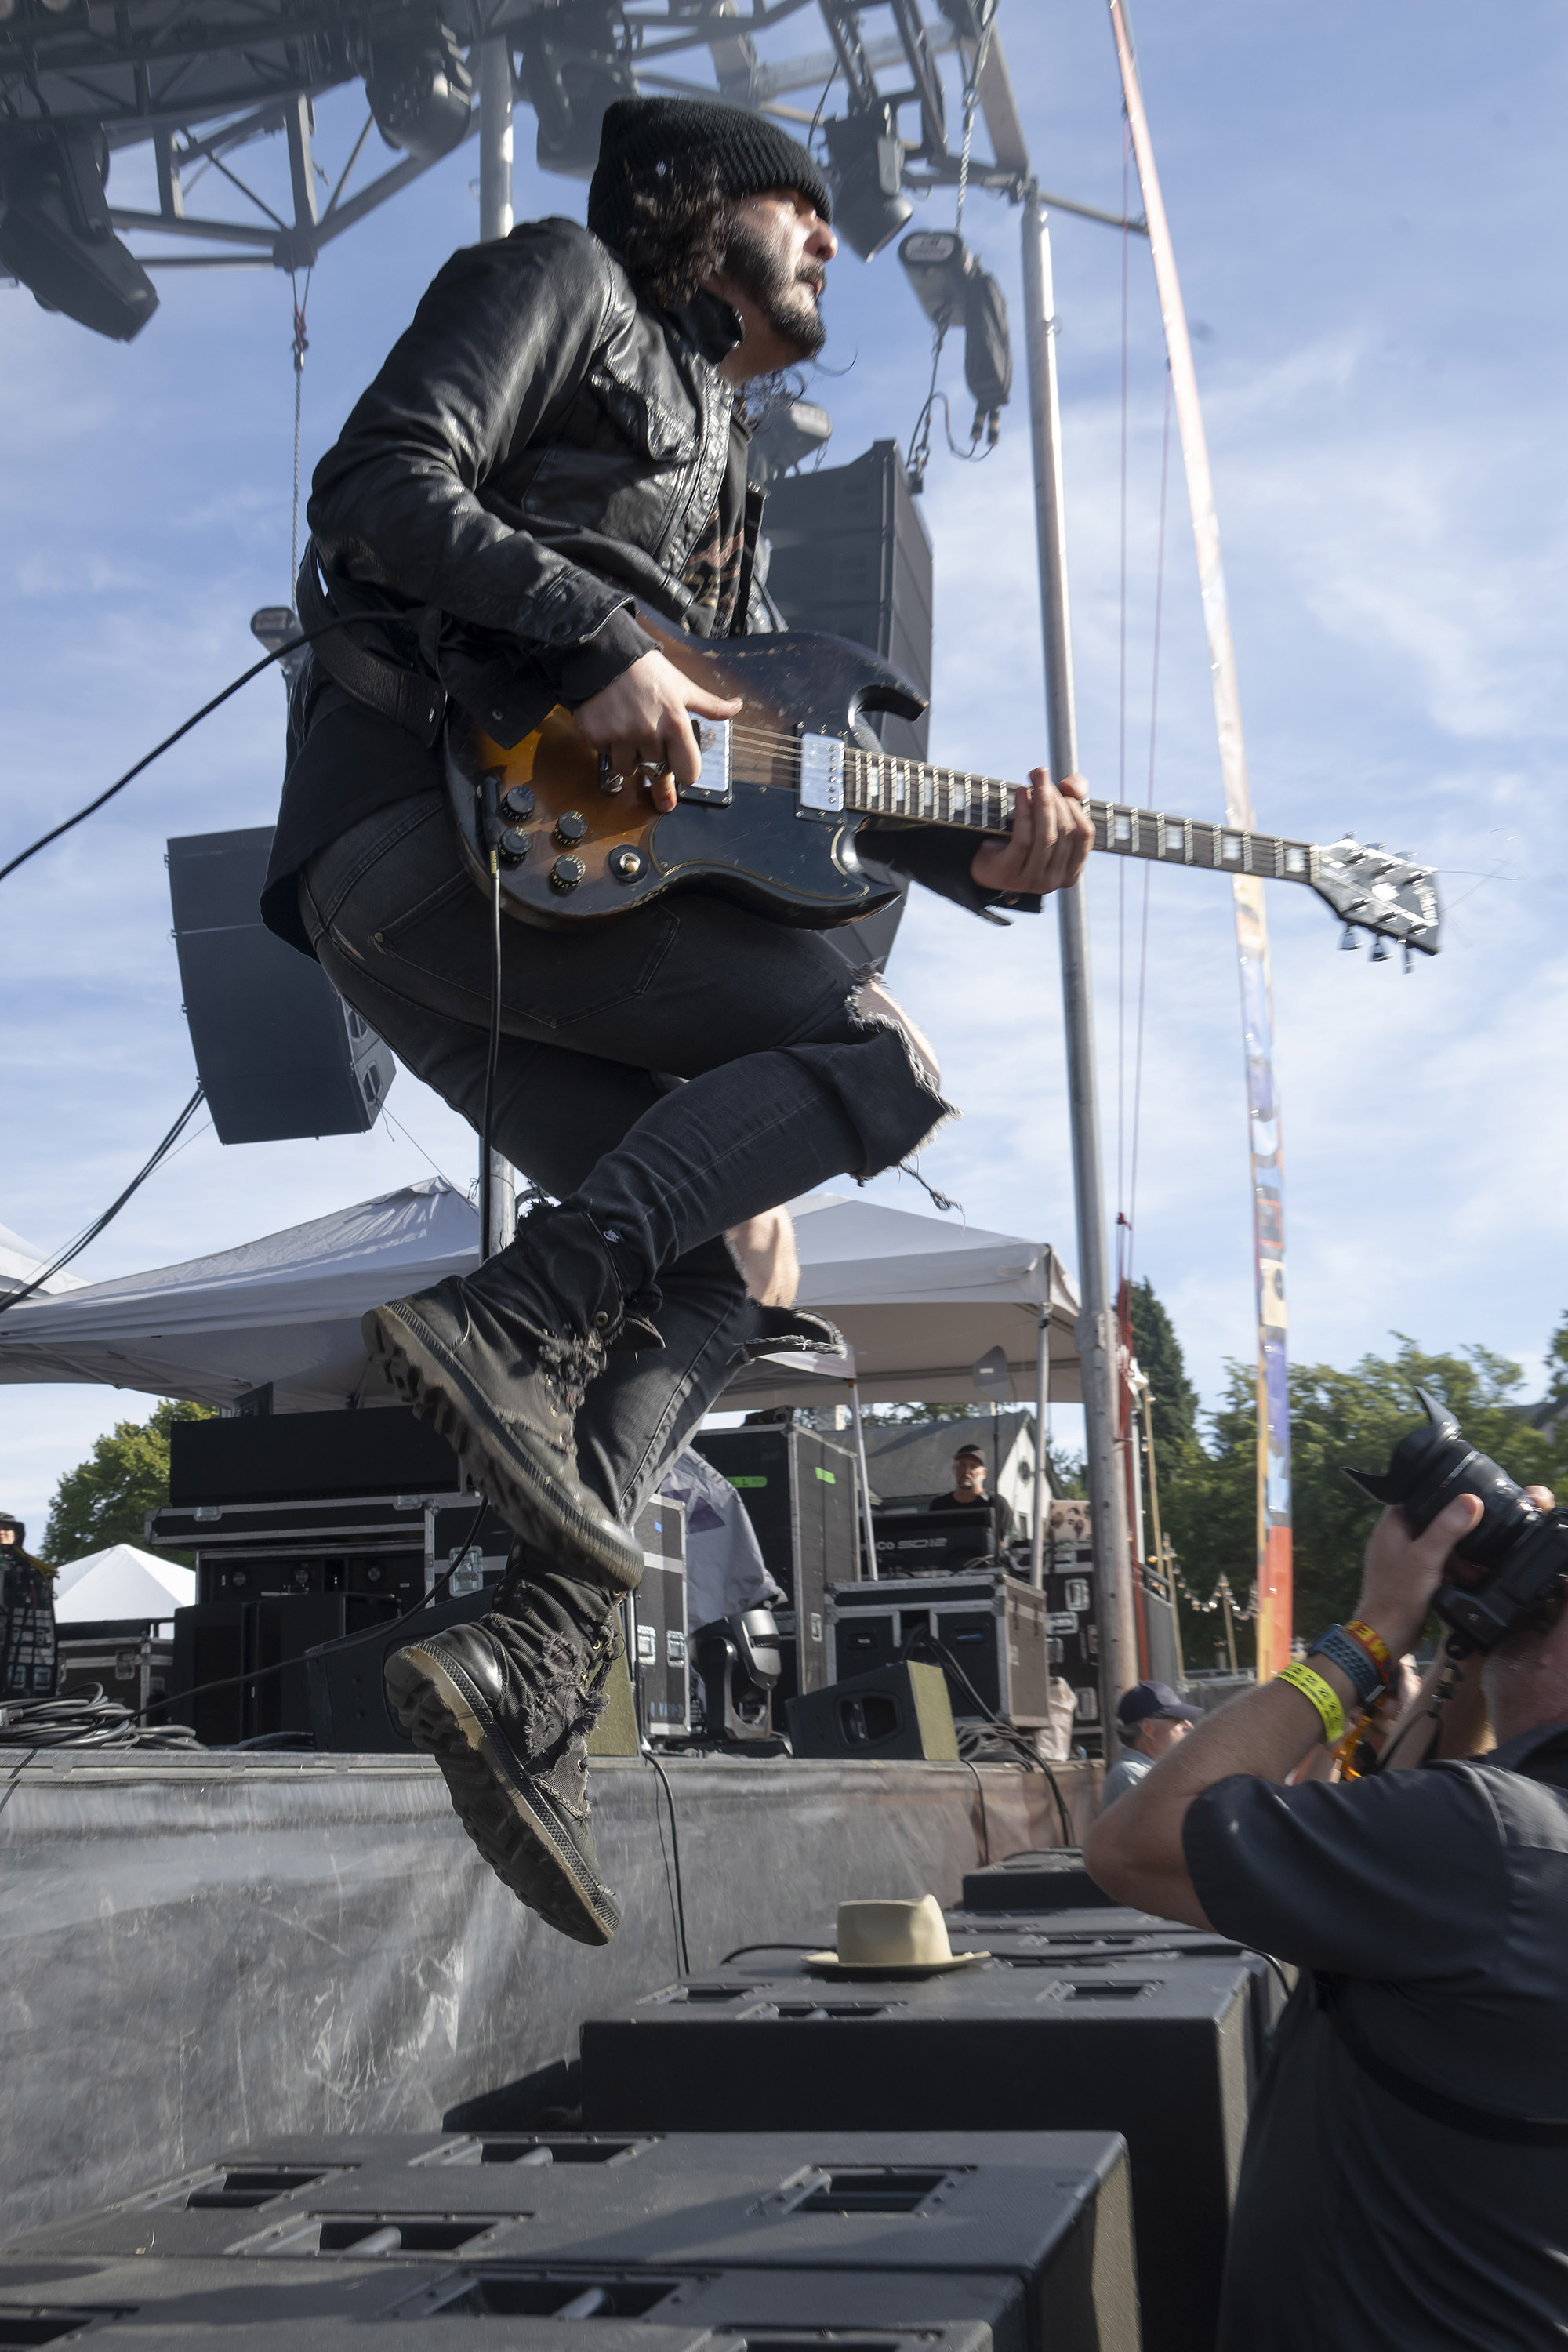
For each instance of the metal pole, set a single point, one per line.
(1096, 1339)
(867, 1529)
(1042, 1395)
(492, 61)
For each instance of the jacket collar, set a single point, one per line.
(713, 325)
(1540, 1754)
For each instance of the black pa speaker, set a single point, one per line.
(899, 1711)
(279, 1050)
(1055, 1880)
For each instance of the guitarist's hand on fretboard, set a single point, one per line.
(1052, 834)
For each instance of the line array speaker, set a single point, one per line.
(279, 1050)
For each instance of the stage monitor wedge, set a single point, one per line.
(279, 1052)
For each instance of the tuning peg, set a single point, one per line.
(1380, 950)
(1348, 943)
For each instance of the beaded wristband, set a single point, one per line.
(1361, 1670)
(1323, 1696)
(1372, 1641)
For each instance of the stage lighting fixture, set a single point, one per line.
(570, 73)
(420, 92)
(951, 287)
(865, 161)
(937, 264)
(55, 235)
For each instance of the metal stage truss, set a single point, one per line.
(200, 79)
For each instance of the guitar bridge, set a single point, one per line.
(714, 786)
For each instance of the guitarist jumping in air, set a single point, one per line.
(558, 441)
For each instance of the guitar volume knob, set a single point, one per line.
(566, 873)
(570, 828)
(512, 846)
(519, 801)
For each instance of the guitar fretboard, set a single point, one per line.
(875, 786)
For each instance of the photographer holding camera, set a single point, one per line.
(1405, 2175)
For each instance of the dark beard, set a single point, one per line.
(785, 302)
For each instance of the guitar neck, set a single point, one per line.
(905, 789)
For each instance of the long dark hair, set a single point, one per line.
(680, 227)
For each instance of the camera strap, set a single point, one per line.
(1481, 2122)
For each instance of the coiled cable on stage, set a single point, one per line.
(85, 1718)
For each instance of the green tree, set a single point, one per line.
(1164, 1366)
(105, 1499)
(1557, 1372)
(1337, 1418)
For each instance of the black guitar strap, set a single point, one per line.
(403, 695)
(1481, 2122)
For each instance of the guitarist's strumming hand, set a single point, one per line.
(1052, 834)
(640, 719)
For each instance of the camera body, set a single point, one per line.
(1522, 1553)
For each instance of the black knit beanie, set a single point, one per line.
(750, 153)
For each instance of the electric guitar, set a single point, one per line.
(785, 786)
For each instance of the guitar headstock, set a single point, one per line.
(1372, 890)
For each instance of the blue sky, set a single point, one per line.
(1364, 207)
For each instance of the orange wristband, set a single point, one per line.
(1372, 1642)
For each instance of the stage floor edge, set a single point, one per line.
(201, 1950)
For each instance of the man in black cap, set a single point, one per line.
(558, 439)
(1150, 1718)
(968, 1495)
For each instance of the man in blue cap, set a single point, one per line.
(1150, 1718)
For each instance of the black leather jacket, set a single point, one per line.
(536, 450)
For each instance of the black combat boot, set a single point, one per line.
(505, 1706)
(499, 1361)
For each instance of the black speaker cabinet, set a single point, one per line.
(1054, 1879)
(802, 1496)
(255, 1651)
(1157, 2049)
(1026, 2233)
(985, 1630)
(899, 1711)
(278, 1049)
(305, 1456)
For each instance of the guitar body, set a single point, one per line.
(574, 852)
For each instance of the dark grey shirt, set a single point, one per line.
(1438, 1901)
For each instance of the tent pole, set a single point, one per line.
(1042, 1385)
(867, 1529)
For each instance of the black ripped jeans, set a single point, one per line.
(672, 1073)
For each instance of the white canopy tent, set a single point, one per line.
(122, 1581)
(21, 1264)
(919, 1299)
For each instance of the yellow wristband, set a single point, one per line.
(1324, 1696)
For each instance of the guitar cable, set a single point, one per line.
(490, 828)
(293, 644)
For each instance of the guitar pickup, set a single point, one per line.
(715, 786)
(821, 776)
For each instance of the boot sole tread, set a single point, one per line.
(506, 1815)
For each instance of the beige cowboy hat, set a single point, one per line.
(892, 1939)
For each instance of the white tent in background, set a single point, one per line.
(120, 1582)
(20, 1264)
(920, 1300)
(283, 1309)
